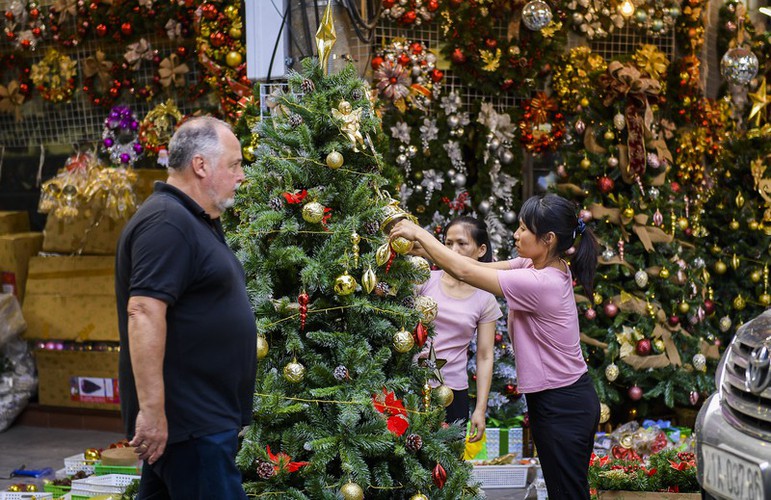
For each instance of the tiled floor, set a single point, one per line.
(30, 443)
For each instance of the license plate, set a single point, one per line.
(731, 476)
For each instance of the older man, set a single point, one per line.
(187, 331)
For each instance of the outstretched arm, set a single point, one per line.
(462, 268)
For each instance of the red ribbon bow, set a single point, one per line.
(283, 462)
(387, 404)
(296, 197)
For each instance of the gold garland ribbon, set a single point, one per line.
(98, 65)
(11, 99)
(648, 235)
(171, 71)
(627, 82)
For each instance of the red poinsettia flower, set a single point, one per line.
(296, 197)
(282, 461)
(387, 404)
(397, 424)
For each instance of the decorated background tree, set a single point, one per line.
(644, 331)
(340, 408)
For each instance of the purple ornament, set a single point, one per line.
(134, 125)
(108, 142)
(138, 148)
(124, 158)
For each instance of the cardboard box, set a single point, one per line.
(496, 443)
(14, 222)
(15, 253)
(78, 379)
(92, 232)
(71, 298)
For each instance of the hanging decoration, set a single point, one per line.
(542, 126)
(655, 18)
(54, 76)
(536, 15)
(406, 75)
(156, 129)
(739, 64)
(490, 51)
(409, 13)
(14, 92)
(572, 81)
(120, 137)
(598, 19)
(24, 26)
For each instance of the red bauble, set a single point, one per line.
(37, 32)
(126, 28)
(26, 43)
(9, 15)
(409, 17)
(675, 187)
(387, 4)
(458, 57)
(673, 320)
(101, 30)
(376, 62)
(432, 5)
(217, 39)
(209, 11)
(709, 306)
(491, 43)
(10, 35)
(404, 60)
(643, 347)
(416, 48)
(182, 51)
(436, 75)
(635, 393)
(611, 309)
(605, 184)
(439, 475)
(498, 338)
(590, 314)
(420, 334)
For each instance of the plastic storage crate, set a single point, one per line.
(130, 470)
(25, 495)
(77, 463)
(501, 476)
(82, 489)
(57, 489)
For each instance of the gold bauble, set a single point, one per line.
(369, 280)
(604, 413)
(351, 491)
(262, 347)
(335, 160)
(764, 299)
(684, 307)
(403, 341)
(313, 212)
(427, 307)
(584, 102)
(735, 262)
(422, 266)
(716, 250)
(345, 284)
(753, 225)
(205, 31)
(585, 163)
(755, 276)
(733, 225)
(739, 200)
(235, 33)
(92, 454)
(611, 372)
(401, 245)
(231, 11)
(382, 254)
(14, 488)
(739, 303)
(682, 223)
(444, 395)
(418, 496)
(233, 59)
(628, 212)
(664, 273)
(609, 135)
(294, 372)
(658, 344)
(597, 299)
(720, 267)
(248, 152)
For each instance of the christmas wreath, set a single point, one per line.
(69, 20)
(15, 91)
(54, 76)
(24, 24)
(410, 12)
(103, 80)
(406, 75)
(542, 126)
(492, 52)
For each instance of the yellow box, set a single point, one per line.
(78, 379)
(15, 252)
(14, 222)
(71, 298)
(92, 232)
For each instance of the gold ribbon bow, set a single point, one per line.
(648, 235)
(171, 71)
(11, 99)
(65, 8)
(627, 82)
(137, 51)
(98, 65)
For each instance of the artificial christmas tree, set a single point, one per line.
(340, 406)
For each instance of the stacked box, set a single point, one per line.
(498, 442)
(71, 298)
(78, 379)
(92, 232)
(15, 252)
(14, 222)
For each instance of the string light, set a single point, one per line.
(626, 8)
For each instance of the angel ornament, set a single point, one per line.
(350, 125)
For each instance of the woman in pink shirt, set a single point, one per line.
(462, 311)
(543, 325)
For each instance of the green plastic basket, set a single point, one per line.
(101, 470)
(58, 490)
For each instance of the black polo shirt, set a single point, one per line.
(173, 251)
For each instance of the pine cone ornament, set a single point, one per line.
(372, 227)
(356, 94)
(265, 470)
(382, 289)
(308, 86)
(276, 204)
(341, 373)
(409, 302)
(295, 120)
(414, 442)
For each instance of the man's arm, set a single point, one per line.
(147, 343)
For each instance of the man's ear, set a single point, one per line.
(199, 166)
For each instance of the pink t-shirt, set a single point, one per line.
(543, 326)
(454, 326)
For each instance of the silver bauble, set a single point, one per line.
(536, 15)
(699, 362)
(619, 121)
(494, 144)
(739, 65)
(641, 278)
(453, 121)
(509, 217)
(484, 207)
(608, 254)
(612, 162)
(725, 324)
(459, 180)
(506, 157)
